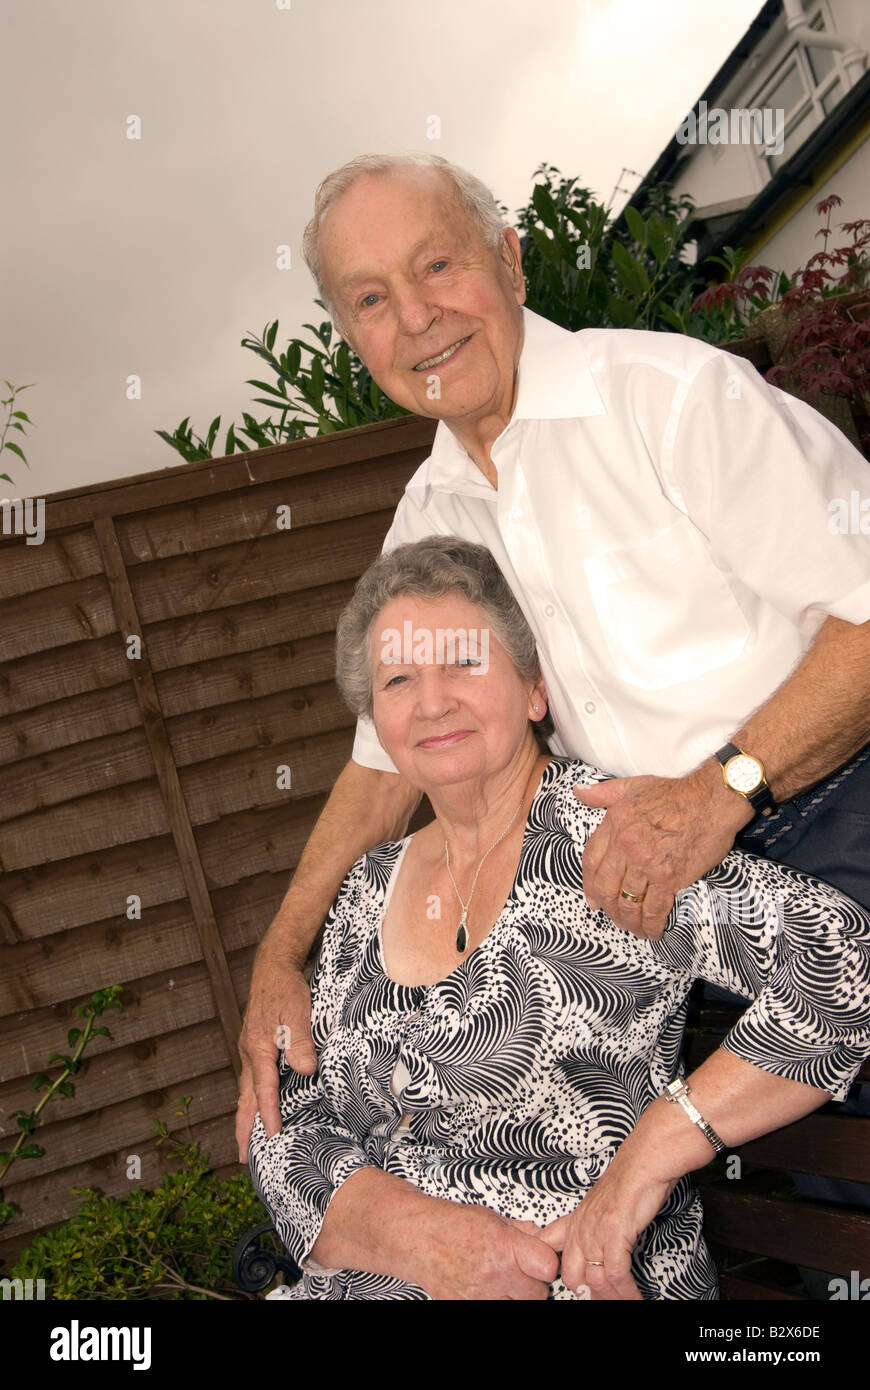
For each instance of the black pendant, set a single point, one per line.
(461, 936)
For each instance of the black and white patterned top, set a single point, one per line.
(523, 1070)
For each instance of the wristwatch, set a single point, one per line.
(744, 774)
(679, 1092)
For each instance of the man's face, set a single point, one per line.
(410, 276)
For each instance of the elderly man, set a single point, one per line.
(661, 515)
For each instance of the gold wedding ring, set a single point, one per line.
(631, 898)
(599, 1263)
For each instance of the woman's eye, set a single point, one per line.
(364, 303)
(468, 661)
(434, 263)
(392, 681)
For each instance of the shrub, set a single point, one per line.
(173, 1242)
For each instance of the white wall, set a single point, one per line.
(715, 174)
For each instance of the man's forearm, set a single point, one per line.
(365, 808)
(815, 721)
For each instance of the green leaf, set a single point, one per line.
(629, 271)
(544, 206)
(317, 380)
(279, 390)
(342, 365)
(31, 1151)
(20, 415)
(271, 335)
(229, 448)
(5, 478)
(39, 1081)
(104, 1032)
(635, 224)
(212, 432)
(73, 1036)
(622, 313)
(294, 357)
(659, 243)
(671, 316)
(15, 449)
(66, 1089)
(547, 247)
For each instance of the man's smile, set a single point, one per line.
(442, 357)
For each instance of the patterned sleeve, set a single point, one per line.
(297, 1172)
(794, 945)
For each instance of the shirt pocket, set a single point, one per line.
(667, 613)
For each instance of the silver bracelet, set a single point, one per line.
(678, 1091)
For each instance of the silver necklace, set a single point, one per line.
(462, 929)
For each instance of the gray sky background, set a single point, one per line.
(155, 256)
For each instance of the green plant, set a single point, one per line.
(585, 270)
(174, 1242)
(14, 419)
(331, 391)
(27, 1120)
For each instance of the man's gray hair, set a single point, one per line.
(473, 195)
(425, 569)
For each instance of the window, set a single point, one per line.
(806, 87)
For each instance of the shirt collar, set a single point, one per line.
(554, 382)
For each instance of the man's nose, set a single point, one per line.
(415, 311)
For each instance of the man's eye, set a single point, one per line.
(468, 661)
(364, 304)
(434, 263)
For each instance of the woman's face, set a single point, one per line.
(449, 706)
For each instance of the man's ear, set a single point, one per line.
(511, 257)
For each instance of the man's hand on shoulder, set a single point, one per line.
(660, 834)
(278, 1015)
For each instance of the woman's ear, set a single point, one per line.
(538, 701)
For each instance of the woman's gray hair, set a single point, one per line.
(473, 195)
(425, 569)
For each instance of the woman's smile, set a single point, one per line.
(444, 740)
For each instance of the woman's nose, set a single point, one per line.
(435, 697)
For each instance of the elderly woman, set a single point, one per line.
(499, 1080)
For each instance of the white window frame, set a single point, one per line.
(813, 95)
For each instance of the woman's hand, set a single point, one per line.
(473, 1253)
(604, 1228)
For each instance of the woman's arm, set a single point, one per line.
(801, 950)
(331, 1207)
(739, 1101)
(382, 1224)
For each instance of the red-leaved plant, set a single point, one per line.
(823, 340)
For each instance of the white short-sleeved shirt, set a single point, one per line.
(662, 516)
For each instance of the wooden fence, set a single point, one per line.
(157, 777)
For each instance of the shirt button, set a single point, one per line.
(590, 707)
(549, 610)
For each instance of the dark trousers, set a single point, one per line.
(824, 832)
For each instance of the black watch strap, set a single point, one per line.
(761, 800)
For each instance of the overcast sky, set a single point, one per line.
(155, 256)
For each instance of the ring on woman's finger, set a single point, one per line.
(599, 1263)
(632, 897)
